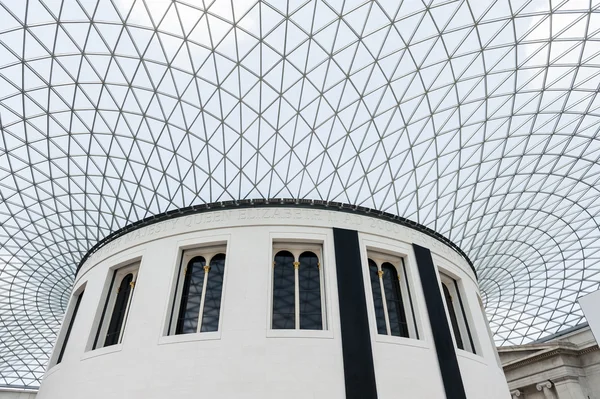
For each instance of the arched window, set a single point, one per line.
(214, 290)
(284, 291)
(309, 288)
(116, 309)
(191, 296)
(377, 297)
(68, 332)
(456, 314)
(452, 314)
(297, 289)
(391, 296)
(119, 313)
(201, 294)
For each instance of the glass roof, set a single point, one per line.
(478, 119)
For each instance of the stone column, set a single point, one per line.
(545, 388)
(569, 388)
(515, 394)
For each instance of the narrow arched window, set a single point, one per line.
(119, 313)
(393, 297)
(116, 308)
(457, 313)
(453, 319)
(284, 291)
(199, 291)
(68, 332)
(191, 296)
(377, 297)
(212, 297)
(309, 288)
(394, 313)
(298, 299)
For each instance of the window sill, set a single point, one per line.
(55, 367)
(323, 334)
(390, 339)
(180, 338)
(471, 356)
(102, 351)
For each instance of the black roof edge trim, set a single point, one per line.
(274, 202)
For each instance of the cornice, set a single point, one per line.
(559, 350)
(284, 202)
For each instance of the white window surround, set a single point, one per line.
(60, 339)
(195, 242)
(296, 243)
(102, 351)
(399, 262)
(488, 330)
(460, 307)
(117, 276)
(208, 252)
(370, 243)
(297, 249)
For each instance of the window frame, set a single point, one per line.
(297, 249)
(460, 311)
(66, 330)
(303, 236)
(488, 330)
(186, 254)
(399, 262)
(118, 274)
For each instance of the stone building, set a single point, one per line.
(277, 300)
(17, 393)
(561, 366)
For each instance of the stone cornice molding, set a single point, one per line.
(565, 378)
(17, 389)
(275, 203)
(589, 349)
(560, 350)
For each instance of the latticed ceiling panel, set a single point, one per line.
(477, 119)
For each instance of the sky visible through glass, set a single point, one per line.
(478, 119)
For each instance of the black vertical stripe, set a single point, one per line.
(442, 338)
(359, 371)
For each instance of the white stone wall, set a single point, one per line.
(7, 393)
(245, 359)
(590, 305)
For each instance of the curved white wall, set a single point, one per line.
(245, 359)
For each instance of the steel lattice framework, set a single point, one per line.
(478, 119)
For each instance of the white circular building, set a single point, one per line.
(260, 299)
(476, 119)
